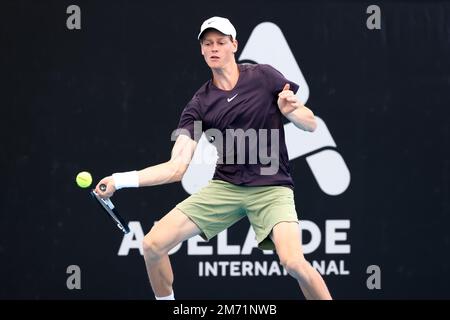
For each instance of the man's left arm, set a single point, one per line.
(293, 109)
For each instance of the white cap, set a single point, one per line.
(220, 24)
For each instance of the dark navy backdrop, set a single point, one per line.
(107, 97)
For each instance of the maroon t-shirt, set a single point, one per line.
(241, 123)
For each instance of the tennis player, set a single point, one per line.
(240, 109)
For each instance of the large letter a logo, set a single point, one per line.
(267, 45)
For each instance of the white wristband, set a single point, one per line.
(128, 179)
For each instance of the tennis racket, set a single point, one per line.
(108, 206)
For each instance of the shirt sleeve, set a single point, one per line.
(190, 121)
(277, 80)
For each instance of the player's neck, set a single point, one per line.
(226, 78)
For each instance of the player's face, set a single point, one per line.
(218, 49)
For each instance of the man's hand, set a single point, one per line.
(110, 187)
(295, 111)
(288, 101)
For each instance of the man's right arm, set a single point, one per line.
(167, 172)
(172, 170)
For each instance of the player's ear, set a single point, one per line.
(201, 49)
(235, 45)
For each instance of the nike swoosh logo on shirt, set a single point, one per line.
(229, 99)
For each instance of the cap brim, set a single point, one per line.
(211, 28)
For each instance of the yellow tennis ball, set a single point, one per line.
(84, 179)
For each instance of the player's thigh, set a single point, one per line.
(214, 208)
(172, 229)
(267, 207)
(287, 240)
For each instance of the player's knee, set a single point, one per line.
(152, 248)
(296, 266)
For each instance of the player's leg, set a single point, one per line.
(172, 229)
(271, 211)
(286, 237)
(208, 212)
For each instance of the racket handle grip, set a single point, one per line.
(103, 187)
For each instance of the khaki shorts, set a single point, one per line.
(221, 204)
